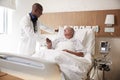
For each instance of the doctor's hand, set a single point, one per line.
(49, 43)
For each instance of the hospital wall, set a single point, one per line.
(114, 56)
(78, 5)
(10, 42)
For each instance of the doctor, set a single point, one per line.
(30, 31)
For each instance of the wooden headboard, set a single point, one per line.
(83, 18)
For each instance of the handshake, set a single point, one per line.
(49, 43)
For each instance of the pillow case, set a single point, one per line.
(80, 34)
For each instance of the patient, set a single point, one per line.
(68, 43)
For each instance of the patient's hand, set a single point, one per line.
(75, 53)
(49, 43)
(65, 50)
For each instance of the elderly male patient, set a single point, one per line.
(68, 43)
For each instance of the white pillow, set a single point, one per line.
(89, 41)
(80, 34)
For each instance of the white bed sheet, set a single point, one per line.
(72, 67)
(69, 64)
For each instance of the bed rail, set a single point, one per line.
(29, 65)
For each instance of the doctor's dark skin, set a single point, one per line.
(68, 33)
(49, 43)
(37, 10)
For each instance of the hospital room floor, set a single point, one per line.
(5, 76)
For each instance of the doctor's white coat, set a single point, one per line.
(27, 43)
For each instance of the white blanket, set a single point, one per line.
(73, 67)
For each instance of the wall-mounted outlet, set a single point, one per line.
(109, 29)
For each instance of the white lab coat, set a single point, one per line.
(27, 43)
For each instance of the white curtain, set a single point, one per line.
(8, 3)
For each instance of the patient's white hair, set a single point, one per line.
(70, 29)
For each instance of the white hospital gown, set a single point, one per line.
(70, 44)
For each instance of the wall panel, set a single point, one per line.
(84, 18)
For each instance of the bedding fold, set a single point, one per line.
(74, 67)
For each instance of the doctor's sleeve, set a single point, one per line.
(45, 28)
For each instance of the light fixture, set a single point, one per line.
(109, 20)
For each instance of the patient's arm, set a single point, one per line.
(49, 43)
(75, 53)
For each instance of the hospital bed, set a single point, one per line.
(28, 68)
(33, 68)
